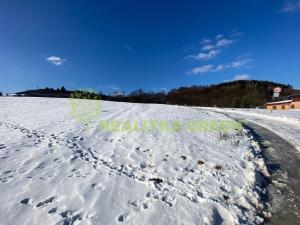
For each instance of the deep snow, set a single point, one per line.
(54, 170)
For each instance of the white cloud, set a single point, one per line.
(291, 6)
(240, 62)
(211, 48)
(202, 69)
(242, 77)
(56, 60)
(207, 47)
(220, 67)
(224, 42)
(205, 41)
(219, 36)
(205, 56)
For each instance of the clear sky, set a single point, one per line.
(129, 44)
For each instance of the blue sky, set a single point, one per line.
(154, 45)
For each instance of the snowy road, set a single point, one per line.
(279, 136)
(54, 170)
(283, 162)
(284, 123)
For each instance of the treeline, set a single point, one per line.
(235, 94)
(47, 92)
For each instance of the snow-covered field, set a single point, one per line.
(54, 170)
(284, 123)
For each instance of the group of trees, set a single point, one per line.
(47, 92)
(235, 94)
(139, 96)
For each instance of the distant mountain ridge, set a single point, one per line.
(235, 94)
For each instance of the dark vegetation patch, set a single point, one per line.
(235, 94)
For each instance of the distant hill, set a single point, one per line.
(46, 92)
(235, 94)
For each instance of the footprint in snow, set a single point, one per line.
(124, 217)
(53, 210)
(45, 202)
(69, 219)
(26, 201)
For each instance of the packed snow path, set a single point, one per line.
(282, 161)
(284, 123)
(279, 135)
(54, 170)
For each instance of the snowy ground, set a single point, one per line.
(54, 170)
(284, 123)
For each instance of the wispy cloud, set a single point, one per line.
(55, 60)
(224, 42)
(211, 48)
(219, 36)
(220, 42)
(205, 41)
(291, 6)
(201, 69)
(242, 77)
(240, 62)
(208, 47)
(205, 56)
(128, 47)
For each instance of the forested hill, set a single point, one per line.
(244, 93)
(237, 94)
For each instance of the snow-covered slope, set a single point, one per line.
(54, 170)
